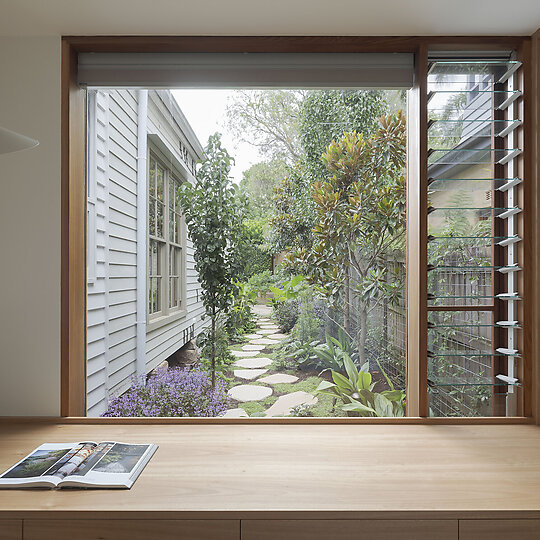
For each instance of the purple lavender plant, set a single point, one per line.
(172, 392)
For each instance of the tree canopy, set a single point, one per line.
(213, 214)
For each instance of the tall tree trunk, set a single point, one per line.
(362, 336)
(213, 353)
(347, 302)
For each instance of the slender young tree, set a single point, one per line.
(213, 219)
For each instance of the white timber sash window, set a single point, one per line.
(165, 241)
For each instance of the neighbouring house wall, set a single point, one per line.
(30, 229)
(112, 237)
(166, 120)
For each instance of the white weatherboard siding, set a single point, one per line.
(112, 234)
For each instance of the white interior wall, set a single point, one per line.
(30, 229)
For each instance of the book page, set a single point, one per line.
(111, 464)
(73, 460)
(36, 467)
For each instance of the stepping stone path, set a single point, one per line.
(278, 378)
(242, 354)
(249, 392)
(249, 347)
(263, 341)
(235, 413)
(250, 363)
(277, 336)
(262, 311)
(250, 366)
(249, 374)
(284, 404)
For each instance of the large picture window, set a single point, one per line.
(346, 243)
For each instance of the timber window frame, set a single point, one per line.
(73, 202)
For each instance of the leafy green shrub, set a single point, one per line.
(356, 391)
(286, 303)
(289, 290)
(333, 352)
(308, 327)
(286, 314)
(293, 354)
(217, 342)
(253, 252)
(240, 318)
(262, 281)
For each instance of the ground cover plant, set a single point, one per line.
(172, 392)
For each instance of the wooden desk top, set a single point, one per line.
(297, 471)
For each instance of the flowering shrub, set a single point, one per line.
(172, 392)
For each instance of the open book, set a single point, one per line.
(83, 465)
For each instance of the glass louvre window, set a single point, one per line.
(473, 220)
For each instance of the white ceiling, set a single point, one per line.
(269, 17)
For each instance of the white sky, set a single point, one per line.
(205, 111)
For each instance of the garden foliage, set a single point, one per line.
(360, 208)
(213, 216)
(172, 392)
(356, 391)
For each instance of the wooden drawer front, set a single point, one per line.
(349, 530)
(503, 529)
(131, 529)
(10, 529)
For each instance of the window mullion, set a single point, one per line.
(417, 404)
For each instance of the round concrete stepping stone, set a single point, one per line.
(235, 413)
(263, 341)
(242, 354)
(264, 320)
(249, 374)
(261, 310)
(284, 404)
(274, 329)
(278, 336)
(249, 392)
(249, 347)
(266, 331)
(252, 363)
(254, 336)
(279, 378)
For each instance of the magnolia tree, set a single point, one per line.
(213, 217)
(360, 208)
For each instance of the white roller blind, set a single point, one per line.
(247, 70)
